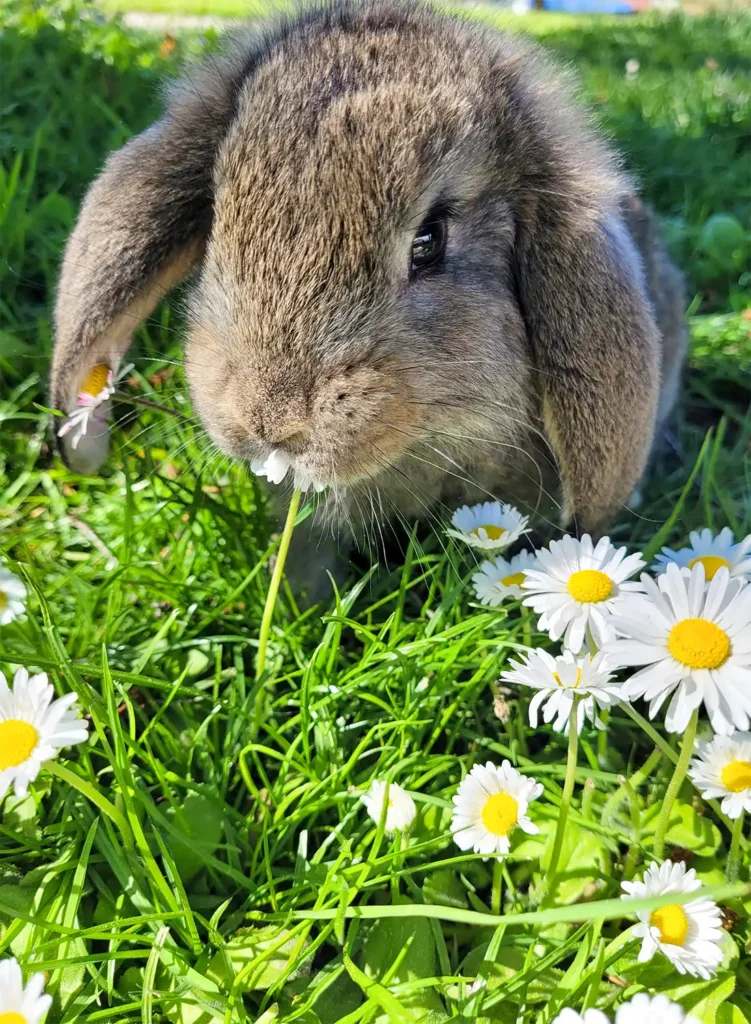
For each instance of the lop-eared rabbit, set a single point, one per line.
(419, 275)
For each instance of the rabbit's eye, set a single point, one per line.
(429, 244)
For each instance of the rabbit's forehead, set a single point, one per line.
(331, 200)
(327, 148)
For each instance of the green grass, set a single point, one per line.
(233, 9)
(204, 857)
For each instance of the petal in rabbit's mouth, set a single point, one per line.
(276, 467)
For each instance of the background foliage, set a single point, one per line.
(241, 801)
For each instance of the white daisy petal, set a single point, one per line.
(590, 1016)
(277, 465)
(274, 467)
(588, 583)
(690, 935)
(484, 825)
(558, 680)
(32, 729)
(644, 1009)
(12, 597)
(502, 579)
(400, 811)
(18, 1004)
(491, 525)
(702, 657)
(713, 553)
(723, 769)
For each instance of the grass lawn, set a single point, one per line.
(249, 8)
(192, 8)
(205, 855)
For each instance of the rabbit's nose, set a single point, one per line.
(290, 437)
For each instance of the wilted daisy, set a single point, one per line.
(645, 1009)
(276, 466)
(590, 1016)
(690, 934)
(490, 526)
(489, 804)
(12, 597)
(575, 586)
(723, 769)
(93, 408)
(33, 727)
(501, 579)
(558, 680)
(714, 553)
(19, 1005)
(693, 642)
(400, 811)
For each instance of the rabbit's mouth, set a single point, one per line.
(277, 467)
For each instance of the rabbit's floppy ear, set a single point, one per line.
(141, 229)
(597, 350)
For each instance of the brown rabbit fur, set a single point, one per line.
(293, 176)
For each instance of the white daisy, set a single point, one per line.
(12, 597)
(19, 1005)
(645, 1009)
(723, 769)
(588, 1017)
(575, 587)
(93, 407)
(401, 808)
(693, 642)
(690, 934)
(500, 579)
(489, 804)
(33, 727)
(490, 526)
(714, 553)
(559, 679)
(276, 466)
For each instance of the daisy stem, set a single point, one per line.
(397, 865)
(495, 903)
(735, 846)
(93, 794)
(568, 789)
(679, 774)
(671, 755)
(276, 579)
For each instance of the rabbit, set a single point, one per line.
(419, 276)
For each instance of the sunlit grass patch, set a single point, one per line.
(214, 850)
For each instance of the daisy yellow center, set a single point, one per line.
(96, 380)
(699, 643)
(17, 740)
(3, 600)
(514, 580)
(711, 564)
(672, 924)
(11, 1017)
(736, 776)
(500, 814)
(590, 586)
(578, 678)
(492, 532)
